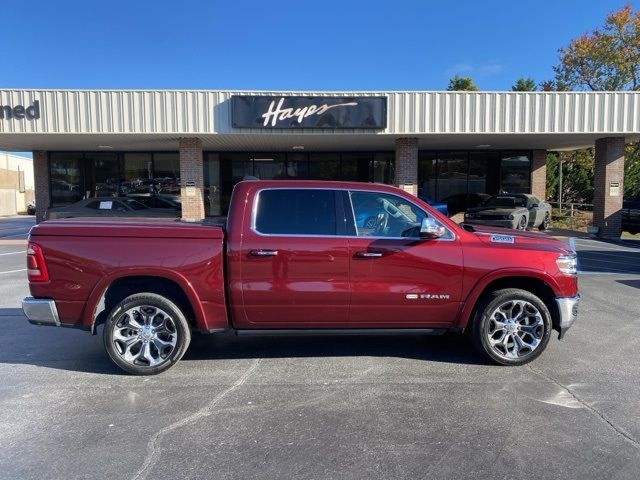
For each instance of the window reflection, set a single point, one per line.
(65, 178)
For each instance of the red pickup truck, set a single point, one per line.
(301, 257)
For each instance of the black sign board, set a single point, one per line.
(308, 112)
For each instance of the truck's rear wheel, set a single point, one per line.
(146, 334)
(511, 326)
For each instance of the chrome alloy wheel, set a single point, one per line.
(145, 336)
(515, 329)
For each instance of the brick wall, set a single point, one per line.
(41, 181)
(539, 174)
(191, 173)
(406, 168)
(609, 168)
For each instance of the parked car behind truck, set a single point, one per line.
(291, 259)
(518, 211)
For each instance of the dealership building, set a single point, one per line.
(194, 145)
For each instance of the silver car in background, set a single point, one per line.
(519, 211)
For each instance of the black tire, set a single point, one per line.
(179, 328)
(522, 223)
(480, 329)
(545, 223)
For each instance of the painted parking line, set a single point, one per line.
(14, 235)
(13, 271)
(12, 253)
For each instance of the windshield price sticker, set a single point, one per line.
(503, 239)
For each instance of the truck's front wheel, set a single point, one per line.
(511, 326)
(146, 334)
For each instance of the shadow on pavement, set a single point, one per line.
(622, 261)
(74, 350)
(630, 283)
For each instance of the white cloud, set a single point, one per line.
(489, 69)
(459, 68)
(482, 70)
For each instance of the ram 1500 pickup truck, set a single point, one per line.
(292, 259)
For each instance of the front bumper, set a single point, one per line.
(568, 308)
(41, 311)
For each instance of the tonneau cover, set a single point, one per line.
(119, 227)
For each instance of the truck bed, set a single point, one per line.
(84, 256)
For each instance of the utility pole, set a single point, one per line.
(560, 186)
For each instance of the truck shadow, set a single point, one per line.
(74, 350)
(448, 348)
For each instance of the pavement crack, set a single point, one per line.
(618, 430)
(156, 438)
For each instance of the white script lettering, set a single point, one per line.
(277, 113)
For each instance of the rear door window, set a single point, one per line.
(286, 211)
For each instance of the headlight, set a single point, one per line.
(470, 215)
(510, 217)
(567, 264)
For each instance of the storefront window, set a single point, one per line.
(297, 165)
(452, 174)
(427, 175)
(166, 168)
(382, 167)
(212, 197)
(324, 166)
(66, 180)
(355, 167)
(137, 173)
(102, 175)
(269, 166)
(515, 173)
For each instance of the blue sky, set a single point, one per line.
(286, 45)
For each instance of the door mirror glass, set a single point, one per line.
(429, 229)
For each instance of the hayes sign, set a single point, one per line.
(32, 112)
(308, 112)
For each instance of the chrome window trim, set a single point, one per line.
(256, 201)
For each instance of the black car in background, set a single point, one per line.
(461, 201)
(155, 201)
(631, 216)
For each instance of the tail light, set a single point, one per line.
(36, 267)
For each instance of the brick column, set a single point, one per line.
(406, 168)
(191, 179)
(608, 171)
(41, 183)
(539, 174)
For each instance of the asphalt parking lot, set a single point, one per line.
(327, 407)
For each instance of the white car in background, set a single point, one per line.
(519, 211)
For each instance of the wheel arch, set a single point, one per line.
(533, 282)
(112, 289)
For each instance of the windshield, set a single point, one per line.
(510, 201)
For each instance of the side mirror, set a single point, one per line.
(430, 229)
(535, 205)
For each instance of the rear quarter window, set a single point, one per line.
(296, 212)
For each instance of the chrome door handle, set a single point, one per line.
(263, 253)
(368, 254)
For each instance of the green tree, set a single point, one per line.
(632, 170)
(605, 59)
(524, 85)
(552, 176)
(462, 84)
(608, 58)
